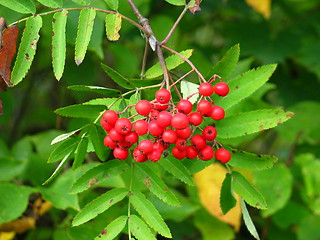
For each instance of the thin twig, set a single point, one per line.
(144, 60)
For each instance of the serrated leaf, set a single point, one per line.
(113, 229)
(99, 205)
(244, 85)
(59, 23)
(26, 6)
(82, 2)
(172, 62)
(81, 152)
(177, 2)
(227, 200)
(140, 229)
(97, 174)
(113, 4)
(149, 213)
(248, 222)
(96, 136)
(65, 148)
(101, 90)
(251, 122)
(176, 168)
(113, 26)
(52, 3)
(226, 66)
(64, 136)
(144, 82)
(156, 185)
(117, 77)
(251, 161)
(247, 191)
(80, 111)
(27, 49)
(85, 28)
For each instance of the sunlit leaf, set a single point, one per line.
(81, 111)
(51, 3)
(113, 4)
(96, 89)
(65, 148)
(26, 6)
(261, 6)
(117, 77)
(248, 222)
(177, 2)
(140, 229)
(113, 229)
(113, 26)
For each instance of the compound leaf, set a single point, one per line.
(140, 229)
(64, 149)
(113, 229)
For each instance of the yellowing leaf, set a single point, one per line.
(7, 235)
(209, 182)
(261, 6)
(17, 226)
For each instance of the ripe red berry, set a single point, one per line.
(143, 107)
(178, 154)
(195, 118)
(145, 146)
(155, 155)
(109, 143)
(163, 96)
(179, 121)
(181, 144)
(192, 153)
(217, 113)
(154, 128)
(209, 133)
(160, 106)
(204, 107)
(206, 153)
(132, 137)
(205, 89)
(138, 156)
(115, 136)
(164, 119)
(124, 144)
(154, 114)
(159, 146)
(223, 155)
(110, 117)
(105, 125)
(120, 153)
(198, 141)
(141, 127)
(221, 89)
(123, 126)
(183, 133)
(184, 106)
(169, 136)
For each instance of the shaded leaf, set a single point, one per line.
(177, 2)
(82, 2)
(85, 28)
(227, 200)
(113, 4)
(248, 222)
(144, 82)
(27, 49)
(52, 3)
(26, 6)
(59, 167)
(113, 229)
(117, 77)
(64, 149)
(139, 229)
(81, 152)
(101, 90)
(96, 135)
(59, 22)
(81, 111)
(99, 205)
(113, 26)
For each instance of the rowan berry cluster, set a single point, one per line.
(163, 124)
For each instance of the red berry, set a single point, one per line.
(105, 125)
(138, 156)
(159, 146)
(123, 126)
(192, 153)
(160, 106)
(109, 143)
(115, 136)
(164, 119)
(209, 133)
(110, 117)
(154, 128)
(221, 89)
(184, 106)
(217, 113)
(206, 153)
(120, 153)
(155, 155)
(205, 89)
(178, 154)
(163, 96)
(143, 107)
(183, 133)
(169, 136)
(154, 114)
(145, 146)
(141, 127)
(223, 155)
(132, 137)
(124, 144)
(204, 107)
(198, 141)
(181, 144)
(179, 121)
(195, 118)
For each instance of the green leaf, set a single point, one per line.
(247, 220)
(61, 164)
(228, 63)
(188, 88)
(81, 152)
(117, 77)
(251, 122)
(156, 185)
(82, 2)
(308, 228)
(113, 26)
(139, 229)
(101, 90)
(85, 28)
(26, 6)
(98, 174)
(227, 200)
(247, 191)
(172, 62)
(195, 165)
(177, 2)
(144, 82)
(64, 136)
(59, 23)
(64, 149)
(276, 185)
(99, 205)
(177, 169)
(81, 111)
(52, 3)
(113, 4)
(14, 201)
(96, 136)
(27, 49)
(149, 213)
(251, 161)
(113, 229)
(244, 85)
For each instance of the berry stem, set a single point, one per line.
(175, 87)
(191, 71)
(144, 60)
(213, 78)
